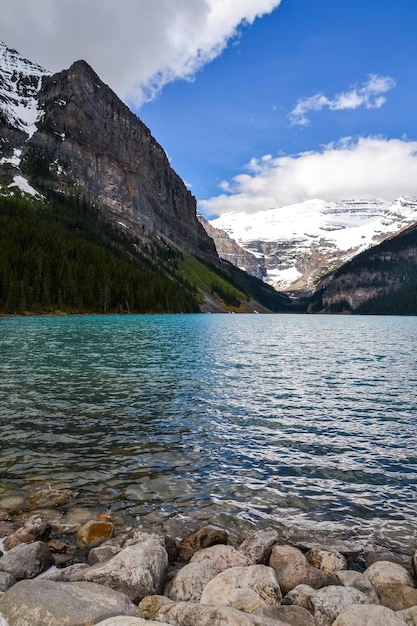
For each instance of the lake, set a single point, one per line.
(304, 423)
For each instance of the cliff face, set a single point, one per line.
(89, 142)
(230, 251)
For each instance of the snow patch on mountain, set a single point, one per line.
(301, 241)
(20, 81)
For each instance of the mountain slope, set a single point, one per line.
(302, 242)
(381, 280)
(93, 217)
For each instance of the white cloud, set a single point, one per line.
(368, 95)
(366, 168)
(136, 46)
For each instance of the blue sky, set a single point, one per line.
(257, 103)
(238, 107)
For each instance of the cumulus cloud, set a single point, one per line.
(365, 168)
(368, 95)
(136, 46)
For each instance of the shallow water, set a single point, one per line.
(306, 423)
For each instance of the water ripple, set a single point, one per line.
(306, 423)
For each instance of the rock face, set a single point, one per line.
(230, 251)
(26, 560)
(89, 138)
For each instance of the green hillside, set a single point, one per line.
(61, 256)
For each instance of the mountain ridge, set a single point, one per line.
(301, 243)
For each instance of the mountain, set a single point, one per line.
(93, 216)
(381, 280)
(301, 243)
(230, 251)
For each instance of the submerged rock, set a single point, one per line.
(50, 498)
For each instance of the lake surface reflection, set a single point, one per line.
(305, 423)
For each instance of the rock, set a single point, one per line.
(409, 616)
(292, 615)
(40, 602)
(137, 571)
(191, 614)
(102, 553)
(367, 615)
(35, 529)
(258, 544)
(201, 538)
(189, 582)
(327, 603)
(50, 498)
(171, 548)
(299, 596)
(386, 555)
(388, 573)
(93, 533)
(150, 605)
(244, 588)
(397, 597)
(292, 569)
(6, 581)
(26, 560)
(414, 563)
(328, 561)
(220, 557)
(68, 574)
(127, 621)
(7, 528)
(58, 546)
(350, 578)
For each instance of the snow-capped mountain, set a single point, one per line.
(20, 82)
(304, 241)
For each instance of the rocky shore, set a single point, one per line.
(59, 571)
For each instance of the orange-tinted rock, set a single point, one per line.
(94, 532)
(203, 537)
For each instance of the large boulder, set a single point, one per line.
(191, 614)
(257, 545)
(201, 538)
(299, 596)
(388, 573)
(293, 569)
(40, 602)
(35, 528)
(137, 571)
(220, 557)
(409, 616)
(328, 561)
(244, 588)
(367, 615)
(127, 621)
(26, 560)
(291, 615)
(397, 597)
(327, 603)
(189, 582)
(350, 578)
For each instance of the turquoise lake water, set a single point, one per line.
(305, 423)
